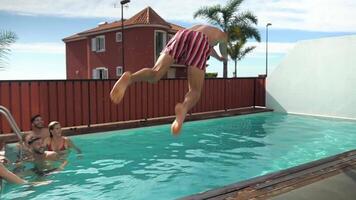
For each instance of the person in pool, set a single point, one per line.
(4, 172)
(9, 176)
(14, 178)
(38, 127)
(191, 47)
(41, 157)
(56, 142)
(3, 159)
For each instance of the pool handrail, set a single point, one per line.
(13, 125)
(11, 121)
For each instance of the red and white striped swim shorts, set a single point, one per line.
(190, 48)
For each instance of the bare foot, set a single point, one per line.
(118, 91)
(180, 116)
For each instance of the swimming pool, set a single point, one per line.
(149, 163)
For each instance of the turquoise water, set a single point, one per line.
(149, 163)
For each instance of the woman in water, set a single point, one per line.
(57, 142)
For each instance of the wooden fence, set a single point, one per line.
(87, 102)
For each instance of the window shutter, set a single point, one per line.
(95, 74)
(93, 44)
(105, 74)
(103, 43)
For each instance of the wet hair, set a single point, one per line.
(51, 126)
(34, 118)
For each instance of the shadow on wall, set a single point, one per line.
(272, 103)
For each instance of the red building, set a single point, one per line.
(97, 53)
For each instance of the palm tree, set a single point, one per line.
(237, 51)
(6, 39)
(240, 34)
(237, 24)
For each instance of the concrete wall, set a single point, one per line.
(317, 77)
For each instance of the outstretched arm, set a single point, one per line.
(9, 176)
(72, 145)
(214, 54)
(223, 46)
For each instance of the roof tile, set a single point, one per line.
(146, 16)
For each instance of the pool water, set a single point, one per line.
(149, 163)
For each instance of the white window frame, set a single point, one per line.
(119, 71)
(118, 37)
(95, 43)
(164, 42)
(96, 73)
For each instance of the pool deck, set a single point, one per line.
(325, 179)
(78, 130)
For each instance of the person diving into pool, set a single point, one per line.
(191, 47)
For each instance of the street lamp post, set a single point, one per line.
(267, 25)
(123, 2)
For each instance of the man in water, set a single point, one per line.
(190, 47)
(40, 157)
(4, 172)
(38, 127)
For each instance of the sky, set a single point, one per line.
(39, 52)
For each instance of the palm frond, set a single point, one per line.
(246, 17)
(232, 7)
(251, 32)
(211, 14)
(237, 50)
(238, 25)
(244, 30)
(245, 51)
(6, 39)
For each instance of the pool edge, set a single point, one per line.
(283, 181)
(80, 130)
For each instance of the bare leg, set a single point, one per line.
(195, 82)
(151, 75)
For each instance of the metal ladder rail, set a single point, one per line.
(13, 125)
(11, 121)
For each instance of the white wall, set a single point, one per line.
(317, 77)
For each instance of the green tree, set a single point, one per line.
(237, 51)
(239, 25)
(6, 39)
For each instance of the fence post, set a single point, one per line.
(89, 117)
(254, 92)
(225, 80)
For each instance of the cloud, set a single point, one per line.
(273, 47)
(43, 48)
(315, 15)
(107, 9)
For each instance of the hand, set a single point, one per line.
(40, 183)
(4, 160)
